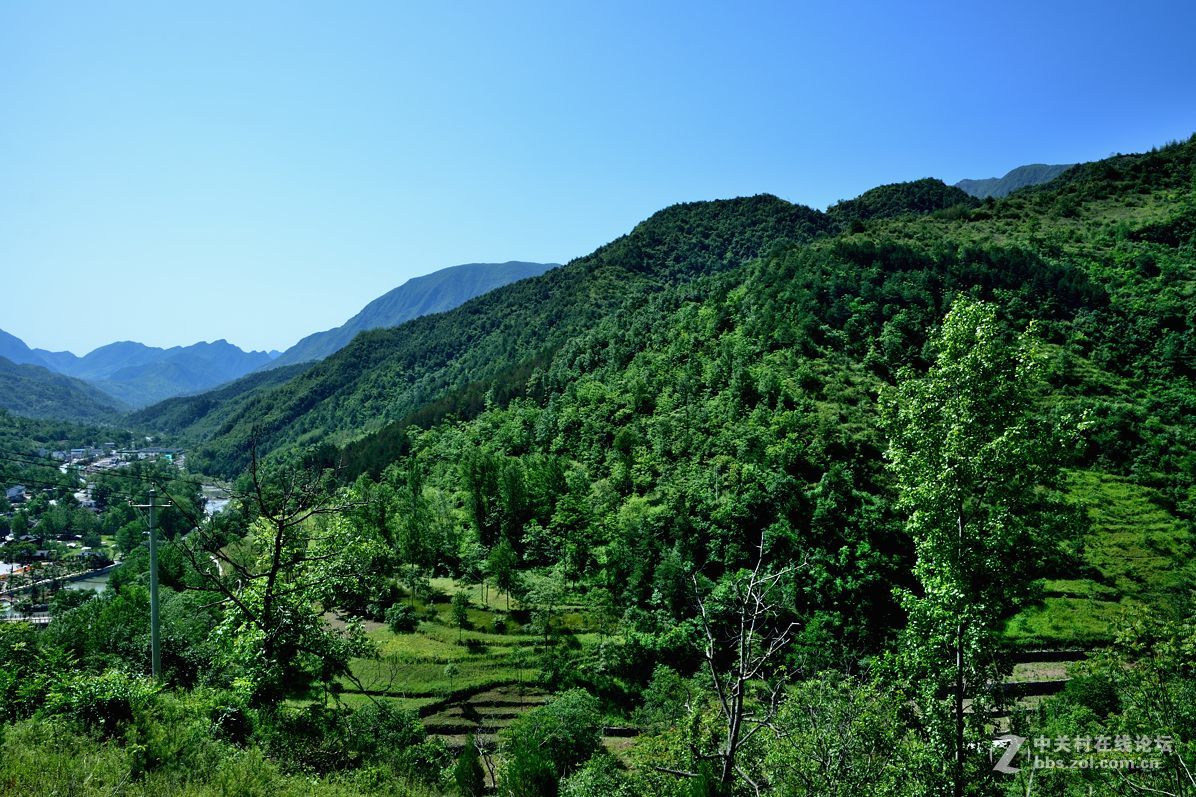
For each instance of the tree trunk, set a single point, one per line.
(959, 710)
(959, 678)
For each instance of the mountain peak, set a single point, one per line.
(1022, 176)
(914, 198)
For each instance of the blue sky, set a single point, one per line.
(259, 171)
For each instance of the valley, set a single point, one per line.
(753, 493)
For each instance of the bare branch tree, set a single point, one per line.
(755, 644)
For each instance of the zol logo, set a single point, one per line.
(1012, 744)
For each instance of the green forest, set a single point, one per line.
(892, 499)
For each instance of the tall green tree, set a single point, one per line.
(972, 477)
(502, 563)
(277, 582)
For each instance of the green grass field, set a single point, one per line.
(1133, 553)
(439, 659)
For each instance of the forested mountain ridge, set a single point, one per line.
(431, 293)
(196, 412)
(900, 199)
(745, 402)
(385, 374)
(771, 335)
(37, 392)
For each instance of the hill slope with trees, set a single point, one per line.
(384, 375)
(431, 293)
(784, 496)
(38, 392)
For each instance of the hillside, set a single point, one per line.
(431, 293)
(660, 439)
(38, 392)
(197, 412)
(561, 504)
(714, 373)
(899, 199)
(1021, 177)
(384, 375)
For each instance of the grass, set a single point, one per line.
(1065, 622)
(356, 700)
(415, 667)
(1134, 552)
(42, 759)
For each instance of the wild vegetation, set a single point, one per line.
(38, 392)
(754, 499)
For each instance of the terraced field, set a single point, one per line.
(461, 680)
(1134, 553)
(483, 714)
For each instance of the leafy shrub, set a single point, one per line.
(104, 704)
(600, 777)
(545, 744)
(402, 618)
(468, 773)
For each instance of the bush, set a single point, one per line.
(375, 731)
(600, 777)
(104, 704)
(468, 773)
(323, 739)
(1094, 692)
(545, 744)
(402, 618)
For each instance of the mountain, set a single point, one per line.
(38, 392)
(1021, 177)
(15, 351)
(138, 375)
(106, 360)
(711, 379)
(432, 293)
(900, 199)
(711, 424)
(738, 405)
(200, 412)
(449, 362)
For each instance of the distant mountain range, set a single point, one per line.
(1022, 176)
(16, 352)
(132, 373)
(432, 293)
(124, 375)
(139, 375)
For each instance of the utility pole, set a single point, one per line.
(155, 644)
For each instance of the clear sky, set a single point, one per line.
(258, 171)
